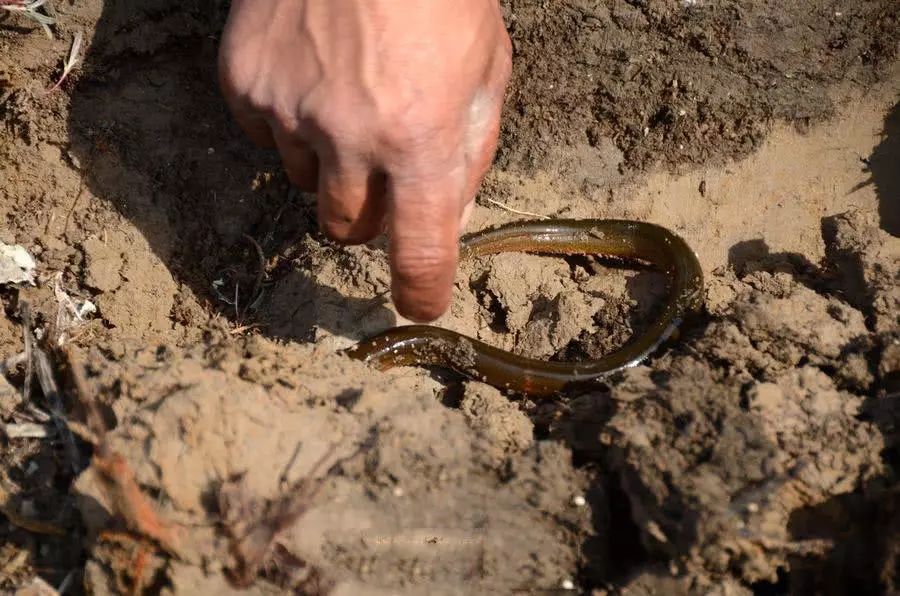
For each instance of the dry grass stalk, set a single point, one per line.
(253, 526)
(30, 10)
(506, 207)
(71, 61)
(38, 364)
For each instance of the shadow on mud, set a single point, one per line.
(864, 528)
(153, 137)
(755, 255)
(884, 166)
(884, 163)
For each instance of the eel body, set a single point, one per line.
(629, 241)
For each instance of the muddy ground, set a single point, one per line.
(756, 454)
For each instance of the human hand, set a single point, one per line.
(389, 109)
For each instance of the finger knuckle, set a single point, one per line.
(344, 230)
(409, 128)
(406, 133)
(236, 74)
(247, 90)
(344, 222)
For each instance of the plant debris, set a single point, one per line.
(16, 265)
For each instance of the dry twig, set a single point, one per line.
(25, 430)
(260, 275)
(506, 207)
(130, 503)
(117, 478)
(69, 315)
(44, 372)
(134, 566)
(29, 351)
(252, 528)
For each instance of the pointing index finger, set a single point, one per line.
(424, 225)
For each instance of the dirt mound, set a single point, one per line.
(722, 446)
(415, 495)
(680, 82)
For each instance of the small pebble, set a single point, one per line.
(398, 491)
(579, 501)
(567, 584)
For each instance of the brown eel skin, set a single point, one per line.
(629, 241)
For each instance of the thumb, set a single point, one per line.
(424, 223)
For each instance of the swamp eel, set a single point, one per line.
(628, 241)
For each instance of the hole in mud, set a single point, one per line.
(447, 378)
(494, 313)
(665, 115)
(778, 588)
(660, 377)
(625, 550)
(573, 351)
(682, 421)
(890, 382)
(744, 402)
(348, 398)
(862, 530)
(453, 395)
(541, 432)
(543, 307)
